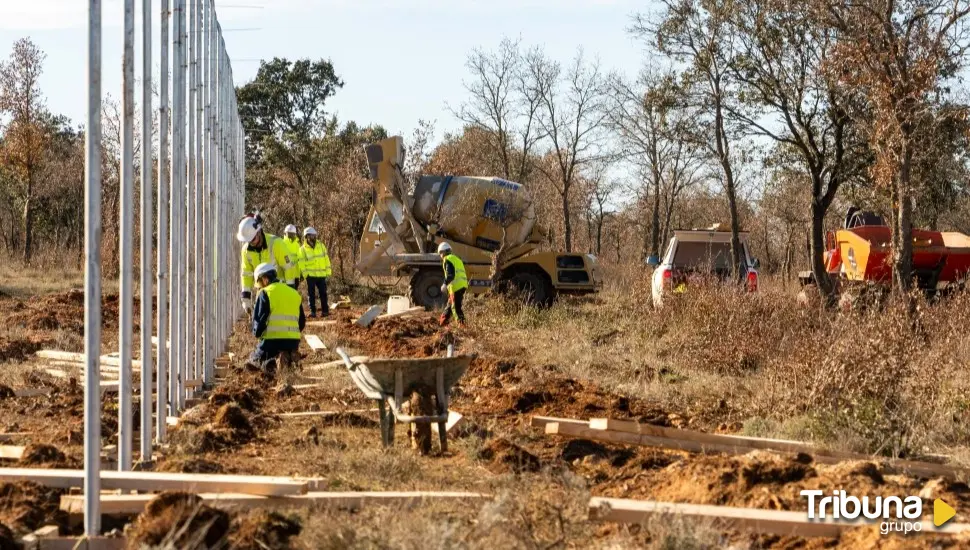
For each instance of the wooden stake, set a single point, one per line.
(160, 481)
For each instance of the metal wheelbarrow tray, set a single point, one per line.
(390, 381)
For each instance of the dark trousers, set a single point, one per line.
(313, 285)
(269, 349)
(454, 308)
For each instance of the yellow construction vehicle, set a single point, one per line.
(480, 217)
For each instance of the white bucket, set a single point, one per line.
(398, 304)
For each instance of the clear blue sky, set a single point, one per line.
(401, 61)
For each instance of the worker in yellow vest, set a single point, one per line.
(293, 244)
(456, 282)
(315, 267)
(258, 247)
(278, 318)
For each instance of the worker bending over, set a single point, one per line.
(259, 247)
(456, 282)
(278, 318)
(315, 267)
(292, 242)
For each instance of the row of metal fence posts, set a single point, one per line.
(201, 174)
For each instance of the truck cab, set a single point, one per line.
(699, 257)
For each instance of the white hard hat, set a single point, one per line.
(444, 247)
(290, 229)
(247, 229)
(263, 269)
(309, 231)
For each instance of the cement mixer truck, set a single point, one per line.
(486, 220)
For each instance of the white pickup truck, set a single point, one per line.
(699, 256)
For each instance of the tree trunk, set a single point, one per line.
(29, 217)
(724, 156)
(566, 222)
(599, 234)
(903, 228)
(817, 253)
(655, 217)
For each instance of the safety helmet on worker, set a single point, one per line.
(265, 269)
(443, 248)
(248, 229)
(309, 231)
(290, 229)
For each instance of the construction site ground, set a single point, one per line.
(596, 357)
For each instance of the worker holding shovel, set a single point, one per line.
(456, 283)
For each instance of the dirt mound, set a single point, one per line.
(247, 397)
(35, 455)
(27, 506)
(590, 451)
(7, 540)
(413, 337)
(568, 398)
(231, 417)
(759, 480)
(191, 466)
(179, 520)
(6, 393)
(18, 349)
(504, 456)
(348, 420)
(261, 530)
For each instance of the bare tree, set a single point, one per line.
(502, 105)
(24, 143)
(788, 98)
(572, 113)
(698, 34)
(899, 53)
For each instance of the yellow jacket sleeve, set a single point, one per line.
(246, 269)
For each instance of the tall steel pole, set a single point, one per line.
(197, 354)
(146, 234)
(190, 197)
(92, 279)
(161, 381)
(207, 222)
(177, 179)
(126, 226)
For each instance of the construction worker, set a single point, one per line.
(278, 318)
(292, 242)
(456, 282)
(259, 247)
(315, 267)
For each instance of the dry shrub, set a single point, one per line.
(179, 520)
(262, 530)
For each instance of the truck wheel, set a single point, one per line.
(532, 288)
(426, 289)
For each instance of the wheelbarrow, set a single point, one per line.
(388, 381)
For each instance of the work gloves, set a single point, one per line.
(247, 303)
(444, 289)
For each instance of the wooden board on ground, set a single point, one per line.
(541, 421)
(78, 358)
(411, 311)
(197, 383)
(160, 481)
(924, 469)
(74, 543)
(455, 419)
(338, 363)
(775, 522)
(315, 343)
(317, 414)
(369, 316)
(135, 504)
(32, 392)
(12, 452)
(324, 323)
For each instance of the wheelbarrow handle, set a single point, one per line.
(343, 355)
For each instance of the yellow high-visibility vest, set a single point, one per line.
(273, 253)
(461, 280)
(315, 262)
(284, 312)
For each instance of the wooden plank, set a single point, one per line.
(12, 452)
(32, 392)
(369, 316)
(411, 311)
(316, 414)
(135, 504)
(541, 421)
(196, 383)
(86, 543)
(73, 357)
(315, 343)
(923, 469)
(338, 363)
(160, 481)
(774, 522)
(324, 323)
